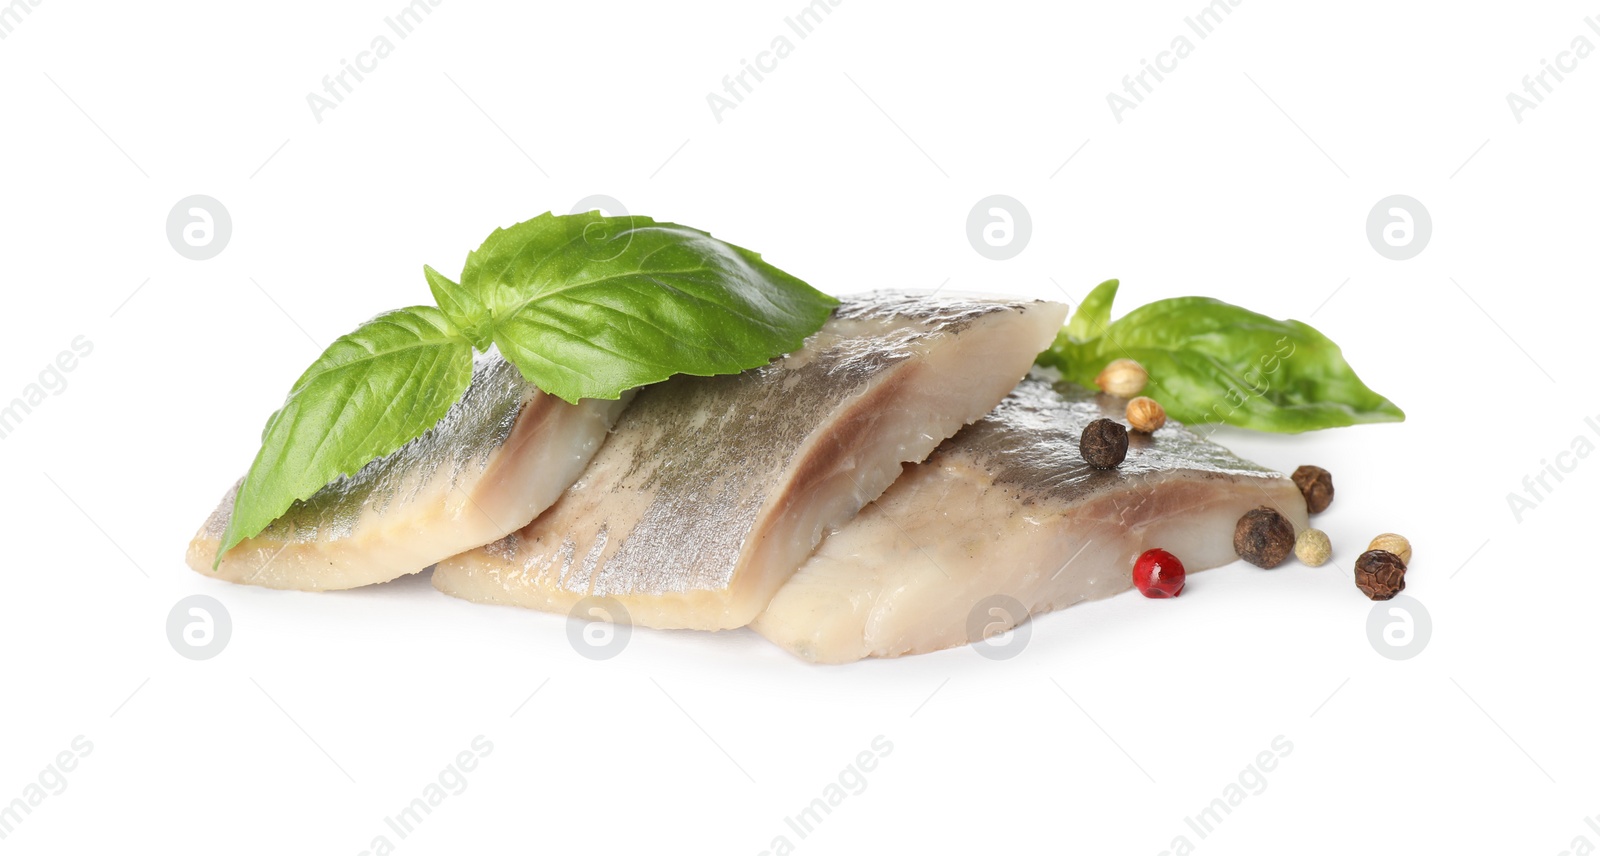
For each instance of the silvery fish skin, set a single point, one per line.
(712, 491)
(499, 457)
(1006, 520)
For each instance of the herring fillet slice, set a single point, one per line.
(713, 490)
(499, 457)
(1008, 509)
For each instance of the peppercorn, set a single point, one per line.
(1396, 544)
(1104, 443)
(1263, 537)
(1122, 378)
(1380, 574)
(1158, 573)
(1312, 547)
(1316, 484)
(1146, 415)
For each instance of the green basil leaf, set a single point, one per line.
(1211, 361)
(462, 306)
(588, 306)
(1093, 314)
(370, 393)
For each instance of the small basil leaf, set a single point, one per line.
(461, 306)
(1093, 314)
(370, 393)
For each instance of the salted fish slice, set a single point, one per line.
(712, 491)
(1008, 509)
(500, 456)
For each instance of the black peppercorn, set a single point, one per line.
(1316, 484)
(1380, 574)
(1104, 443)
(1263, 537)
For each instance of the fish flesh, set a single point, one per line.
(711, 491)
(1006, 520)
(500, 455)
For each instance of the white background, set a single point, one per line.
(1247, 175)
